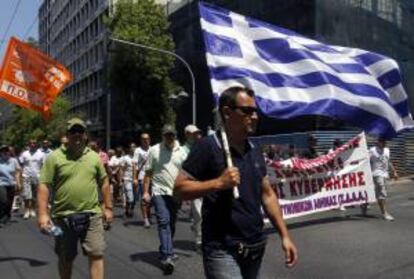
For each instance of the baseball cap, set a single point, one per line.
(75, 122)
(168, 129)
(191, 129)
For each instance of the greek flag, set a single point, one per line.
(293, 75)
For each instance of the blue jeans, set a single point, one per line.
(229, 264)
(166, 212)
(140, 191)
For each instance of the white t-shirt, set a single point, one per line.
(164, 164)
(127, 161)
(31, 163)
(380, 161)
(140, 158)
(114, 163)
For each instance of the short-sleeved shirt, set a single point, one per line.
(8, 169)
(164, 163)
(73, 181)
(380, 161)
(31, 163)
(127, 162)
(227, 221)
(140, 157)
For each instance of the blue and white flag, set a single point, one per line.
(293, 75)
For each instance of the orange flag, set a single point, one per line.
(30, 78)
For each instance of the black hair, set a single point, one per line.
(229, 96)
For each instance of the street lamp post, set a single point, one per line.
(176, 56)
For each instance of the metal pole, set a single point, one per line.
(108, 119)
(108, 100)
(194, 118)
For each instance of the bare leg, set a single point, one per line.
(146, 211)
(381, 204)
(26, 209)
(96, 267)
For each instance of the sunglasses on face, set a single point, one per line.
(246, 110)
(76, 131)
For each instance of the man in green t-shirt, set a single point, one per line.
(73, 173)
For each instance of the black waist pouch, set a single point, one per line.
(244, 249)
(79, 222)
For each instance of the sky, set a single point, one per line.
(24, 23)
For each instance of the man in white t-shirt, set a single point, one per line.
(380, 166)
(127, 170)
(31, 161)
(140, 157)
(161, 170)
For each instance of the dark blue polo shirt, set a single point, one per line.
(227, 221)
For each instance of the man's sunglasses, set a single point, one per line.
(246, 110)
(76, 131)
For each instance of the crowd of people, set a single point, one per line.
(76, 186)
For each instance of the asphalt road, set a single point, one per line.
(331, 245)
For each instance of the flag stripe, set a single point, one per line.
(276, 80)
(222, 45)
(309, 95)
(390, 79)
(337, 109)
(368, 59)
(217, 16)
(294, 44)
(302, 67)
(301, 81)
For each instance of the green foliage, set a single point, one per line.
(26, 124)
(140, 77)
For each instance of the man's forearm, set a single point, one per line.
(187, 189)
(271, 206)
(42, 199)
(106, 193)
(18, 177)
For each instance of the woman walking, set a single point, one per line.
(9, 182)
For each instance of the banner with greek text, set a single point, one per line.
(30, 78)
(341, 177)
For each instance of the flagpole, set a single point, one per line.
(226, 147)
(187, 66)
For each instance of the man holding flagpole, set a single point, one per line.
(233, 241)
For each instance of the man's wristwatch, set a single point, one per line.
(109, 207)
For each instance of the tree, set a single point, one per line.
(139, 77)
(28, 124)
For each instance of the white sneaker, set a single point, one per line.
(342, 208)
(388, 217)
(26, 215)
(32, 213)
